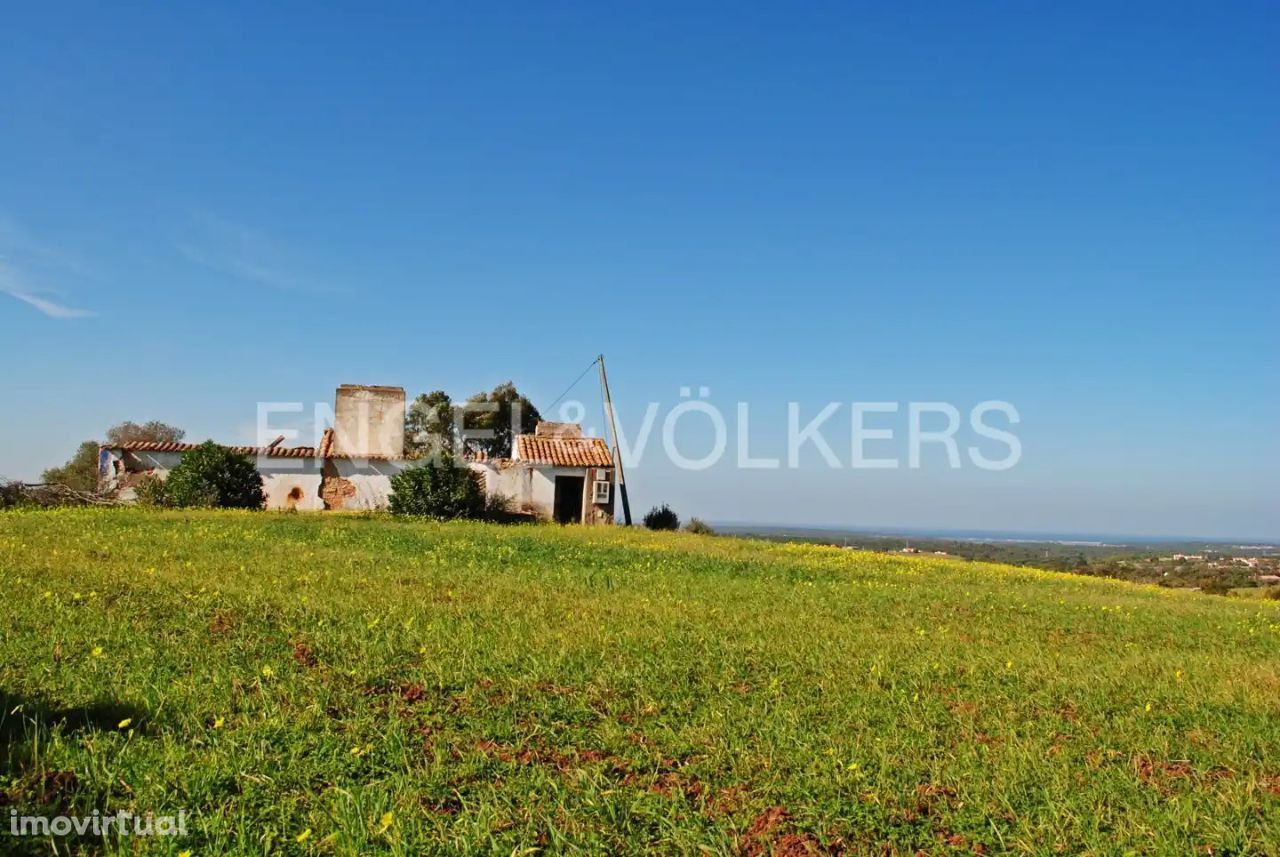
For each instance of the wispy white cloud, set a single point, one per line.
(18, 243)
(48, 307)
(232, 249)
(21, 251)
(242, 269)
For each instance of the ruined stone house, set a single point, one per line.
(554, 474)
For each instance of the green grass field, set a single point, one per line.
(343, 684)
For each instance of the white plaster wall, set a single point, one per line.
(514, 483)
(530, 487)
(543, 490)
(162, 462)
(291, 483)
(371, 479)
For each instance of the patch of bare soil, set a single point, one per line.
(303, 655)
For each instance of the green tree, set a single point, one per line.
(152, 430)
(212, 475)
(505, 412)
(437, 489)
(428, 426)
(80, 473)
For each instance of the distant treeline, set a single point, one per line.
(1208, 567)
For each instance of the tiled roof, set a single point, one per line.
(325, 450)
(273, 451)
(564, 451)
(326, 443)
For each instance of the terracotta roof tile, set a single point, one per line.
(272, 451)
(326, 443)
(325, 450)
(564, 451)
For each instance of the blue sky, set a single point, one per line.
(1072, 209)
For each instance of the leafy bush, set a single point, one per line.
(662, 518)
(437, 489)
(1215, 587)
(1274, 593)
(699, 527)
(212, 475)
(151, 491)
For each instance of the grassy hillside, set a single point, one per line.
(331, 684)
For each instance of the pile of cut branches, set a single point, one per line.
(47, 495)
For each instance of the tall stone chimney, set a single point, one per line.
(369, 421)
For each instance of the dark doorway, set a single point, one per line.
(568, 507)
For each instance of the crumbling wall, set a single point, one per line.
(369, 420)
(361, 483)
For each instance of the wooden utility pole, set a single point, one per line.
(617, 453)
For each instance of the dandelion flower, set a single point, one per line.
(303, 836)
(124, 724)
(268, 672)
(97, 651)
(218, 722)
(388, 818)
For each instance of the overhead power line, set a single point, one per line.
(568, 389)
